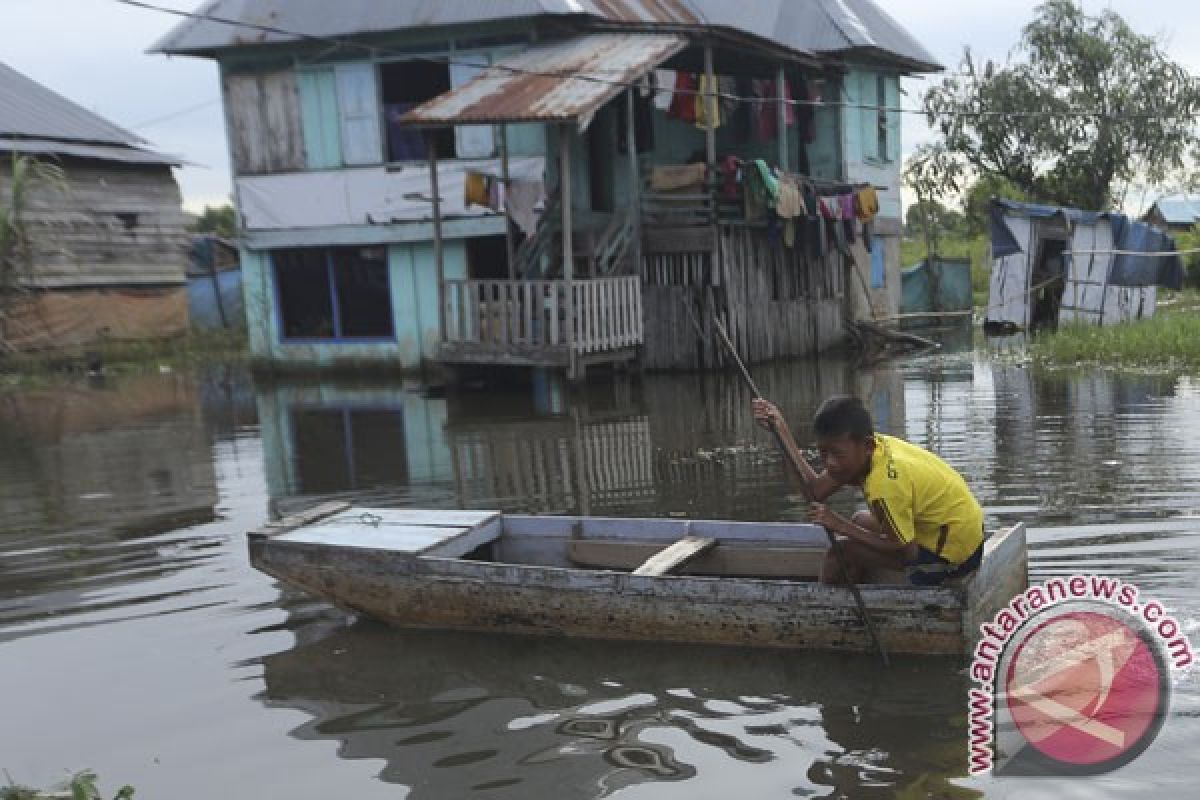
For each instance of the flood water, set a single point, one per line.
(136, 640)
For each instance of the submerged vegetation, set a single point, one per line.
(1170, 339)
(127, 356)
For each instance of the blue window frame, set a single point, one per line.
(333, 294)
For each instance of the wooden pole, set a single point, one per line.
(635, 181)
(709, 100)
(781, 118)
(439, 260)
(502, 130)
(568, 245)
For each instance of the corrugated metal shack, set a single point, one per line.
(559, 183)
(107, 250)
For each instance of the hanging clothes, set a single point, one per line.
(867, 203)
(791, 201)
(708, 108)
(683, 103)
(762, 183)
(522, 199)
(664, 88)
(476, 189)
(846, 203)
(731, 168)
(762, 124)
(727, 86)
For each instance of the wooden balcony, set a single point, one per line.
(537, 323)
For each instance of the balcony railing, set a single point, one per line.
(540, 322)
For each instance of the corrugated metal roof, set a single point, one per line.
(508, 92)
(805, 26)
(126, 155)
(1179, 210)
(28, 109)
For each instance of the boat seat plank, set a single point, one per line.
(742, 559)
(676, 555)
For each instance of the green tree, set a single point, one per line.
(1086, 106)
(946, 220)
(978, 197)
(221, 220)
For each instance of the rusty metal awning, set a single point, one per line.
(551, 82)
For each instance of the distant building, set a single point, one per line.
(1178, 213)
(334, 113)
(1054, 265)
(107, 249)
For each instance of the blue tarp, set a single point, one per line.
(1135, 237)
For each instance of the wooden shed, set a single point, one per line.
(105, 248)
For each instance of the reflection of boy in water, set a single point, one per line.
(922, 516)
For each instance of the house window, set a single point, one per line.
(340, 449)
(406, 85)
(334, 293)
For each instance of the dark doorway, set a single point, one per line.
(1047, 282)
(487, 258)
(602, 149)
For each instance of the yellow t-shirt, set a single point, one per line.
(918, 494)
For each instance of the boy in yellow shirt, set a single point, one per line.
(922, 517)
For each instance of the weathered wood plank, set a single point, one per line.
(765, 560)
(675, 556)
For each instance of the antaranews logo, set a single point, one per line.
(1073, 677)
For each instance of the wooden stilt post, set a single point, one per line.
(781, 118)
(431, 148)
(709, 100)
(568, 245)
(635, 181)
(502, 131)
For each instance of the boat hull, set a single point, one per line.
(423, 591)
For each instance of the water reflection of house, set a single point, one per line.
(348, 260)
(135, 458)
(361, 440)
(615, 450)
(107, 248)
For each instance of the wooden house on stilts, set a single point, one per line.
(561, 184)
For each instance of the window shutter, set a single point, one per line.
(321, 118)
(358, 106)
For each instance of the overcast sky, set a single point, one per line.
(93, 51)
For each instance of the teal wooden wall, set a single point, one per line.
(412, 276)
(860, 143)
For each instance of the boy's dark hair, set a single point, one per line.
(843, 415)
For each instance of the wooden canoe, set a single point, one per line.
(699, 581)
